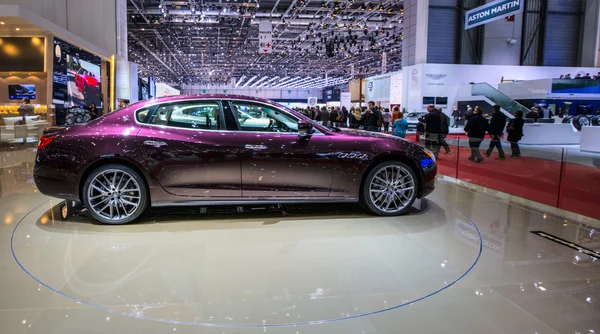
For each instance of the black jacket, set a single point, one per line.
(433, 122)
(515, 130)
(532, 114)
(371, 119)
(497, 123)
(477, 126)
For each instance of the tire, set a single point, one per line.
(596, 120)
(567, 119)
(580, 121)
(401, 201)
(104, 198)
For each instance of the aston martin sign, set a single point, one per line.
(492, 11)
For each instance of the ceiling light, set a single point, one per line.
(17, 29)
(2, 23)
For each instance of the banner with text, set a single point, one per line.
(492, 11)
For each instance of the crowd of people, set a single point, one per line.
(370, 118)
(579, 76)
(434, 125)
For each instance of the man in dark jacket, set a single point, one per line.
(433, 129)
(497, 125)
(344, 117)
(533, 114)
(476, 128)
(372, 117)
(457, 115)
(445, 129)
(324, 116)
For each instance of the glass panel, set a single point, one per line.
(499, 98)
(535, 175)
(260, 118)
(580, 183)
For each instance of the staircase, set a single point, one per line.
(499, 98)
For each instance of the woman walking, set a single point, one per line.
(386, 115)
(515, 133)
(400, 125)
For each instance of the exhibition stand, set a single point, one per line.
(590, 139)
(550, 134)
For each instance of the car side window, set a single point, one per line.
(142, 114)
(261, 118)
(202, 115)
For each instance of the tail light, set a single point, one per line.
(44, 141)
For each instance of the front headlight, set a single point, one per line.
(429, 153)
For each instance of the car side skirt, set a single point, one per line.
(253, 201)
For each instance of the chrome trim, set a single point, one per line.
(155, 143)
(253, 201)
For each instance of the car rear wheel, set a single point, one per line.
(390, 189)
(115, 194)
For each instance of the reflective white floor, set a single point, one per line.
(318, 269)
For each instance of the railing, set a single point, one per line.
(565, 178)
(496, 96)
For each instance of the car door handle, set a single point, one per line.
(256, 147)
(155, 143)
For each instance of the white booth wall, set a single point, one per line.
(385, 89)
(445, 79)
(162, 90)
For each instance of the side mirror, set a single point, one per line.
(305, 129)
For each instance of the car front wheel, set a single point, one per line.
(390, 189)
(115, 194)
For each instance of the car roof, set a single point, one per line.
(209, 96)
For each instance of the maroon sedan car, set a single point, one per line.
(221, 150)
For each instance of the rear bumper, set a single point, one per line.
(53, 185)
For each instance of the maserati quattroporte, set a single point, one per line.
(222, 150)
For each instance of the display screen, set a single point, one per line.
(22, 54)
(585, 109)
(441, 101)
(77, 79)
(331, 95)
(18, 92)
(428, 100)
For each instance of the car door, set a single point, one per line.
(276, 161)
(188, 152)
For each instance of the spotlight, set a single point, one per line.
(380, 8)
(370, 7)
(322, 4)
(363, 8)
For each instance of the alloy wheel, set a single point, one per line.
(392, 189)
(114, 195)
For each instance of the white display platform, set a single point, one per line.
(590, 139)
(549, 134)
